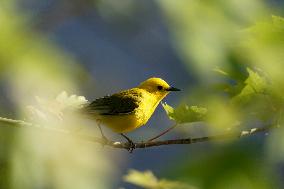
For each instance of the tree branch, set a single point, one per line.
(127, 145)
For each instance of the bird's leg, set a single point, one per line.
(131, 143)
(104, 138)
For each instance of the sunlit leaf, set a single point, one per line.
(255, 81)
(148, 180)
(269, 31)
(47, 109)
(185, 113)
(254, 84)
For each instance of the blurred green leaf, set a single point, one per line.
(148, 180)
(269, 31)
(234, 166)
(185, 113)
(56, 109)
(254, 84)
(231, 80)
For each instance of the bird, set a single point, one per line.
(129, 109)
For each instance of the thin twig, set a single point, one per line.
(127, 145)
(164, 132)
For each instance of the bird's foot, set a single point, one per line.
(131, 145)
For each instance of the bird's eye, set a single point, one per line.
(160, 87)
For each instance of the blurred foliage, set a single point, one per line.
(253, 85)
(206, 32)
(253, 100)
(33, 67)
(227, 166)
(55, 109)
(148, 180)
(240, 42)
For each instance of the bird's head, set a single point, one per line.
(157, 86)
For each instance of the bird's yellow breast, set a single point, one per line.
(139, 117)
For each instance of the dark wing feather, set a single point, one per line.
(121, 103)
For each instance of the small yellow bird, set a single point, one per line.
(129, 109)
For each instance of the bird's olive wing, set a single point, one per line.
(118, 104)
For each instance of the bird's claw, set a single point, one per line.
(131, 146)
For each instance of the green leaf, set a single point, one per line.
(254, 84)
(185, 113)
(269, 32)
(278, 21)
(148, 180)
(169, 110)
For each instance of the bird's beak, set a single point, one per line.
(172, 89)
